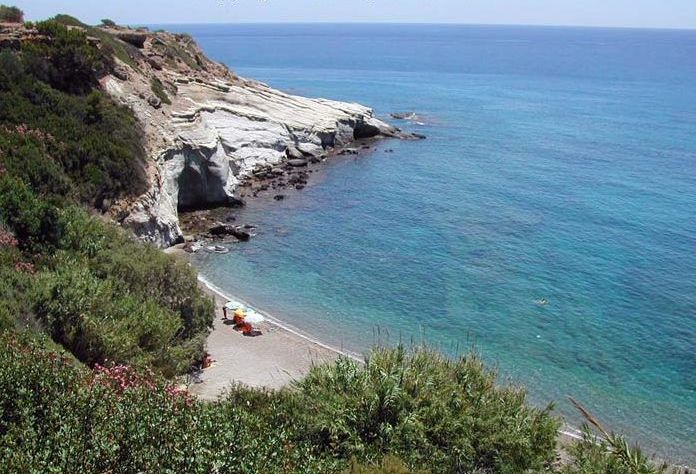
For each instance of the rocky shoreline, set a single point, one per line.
(267, 182)
(214, 139)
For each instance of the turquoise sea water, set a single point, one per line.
(560, 164)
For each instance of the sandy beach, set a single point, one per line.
(272, 360)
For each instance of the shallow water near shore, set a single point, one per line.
(549, 219)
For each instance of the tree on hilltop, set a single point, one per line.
(11, 14)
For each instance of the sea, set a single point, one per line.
(548, 221)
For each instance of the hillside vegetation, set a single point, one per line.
(95, 327)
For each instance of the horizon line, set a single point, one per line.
(436, 23)
(416, 23)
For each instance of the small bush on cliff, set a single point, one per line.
(11, 14)
(68, 61)
(158, 89)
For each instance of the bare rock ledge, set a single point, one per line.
(217, 129)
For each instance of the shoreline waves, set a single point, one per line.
(567, 433)
(211, 288)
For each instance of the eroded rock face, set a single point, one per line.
(217, 131)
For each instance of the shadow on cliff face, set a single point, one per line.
(201, 183)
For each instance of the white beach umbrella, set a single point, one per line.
(233, 305)
(254, 318)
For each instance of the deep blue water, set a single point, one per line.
(560, 164)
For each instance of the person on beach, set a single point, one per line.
(224, 311)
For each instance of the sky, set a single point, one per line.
(620, 13)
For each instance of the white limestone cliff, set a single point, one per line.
(216, 131)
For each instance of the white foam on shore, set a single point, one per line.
(278, 323)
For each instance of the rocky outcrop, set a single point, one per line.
(217, 130)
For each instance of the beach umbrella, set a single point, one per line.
(254, 318)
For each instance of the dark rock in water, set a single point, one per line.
(388, 150)
(299, 186)
(365, 130)
(230, 219)
(297, 162)
(314, 160)
(294, 179)
(279, 197)
(418, 136)
(238, 232)
(235, 202)
(403, 115)
(277, 171)
(220, 229)
(349, 151)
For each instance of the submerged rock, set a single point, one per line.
(403, 115)
(239, 232)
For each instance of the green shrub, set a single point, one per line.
(68, 20)
(158, 89)
(607, 454)
(138, 268)
(57, 416)
(97, 323)
(67, 62)
(613, 456)
(11, 14)
(100, 293)
(389, 465)
(74, 146)
(107, 22)
(33, 221)
(448, 416)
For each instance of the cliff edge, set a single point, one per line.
(206, 129)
